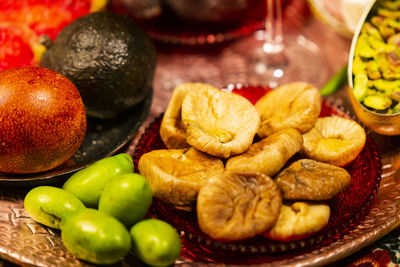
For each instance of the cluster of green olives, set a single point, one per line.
(95, 208)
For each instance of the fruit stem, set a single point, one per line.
(45, 40)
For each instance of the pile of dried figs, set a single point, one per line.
(234, 162)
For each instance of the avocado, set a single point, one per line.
(108, 57)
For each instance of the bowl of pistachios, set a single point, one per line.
(374, 67)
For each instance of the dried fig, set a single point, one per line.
(308, 179)
(219, 123)
(176, 175)
(334, 140)
(298, 221)
(296, 105)
(238, 205)
(269, 155)
(172, 131)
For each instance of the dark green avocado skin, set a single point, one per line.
(108, 57)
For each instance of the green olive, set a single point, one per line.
(48, 205)
(94, 236)
(88, 183)
(127, 198)
(155, 242)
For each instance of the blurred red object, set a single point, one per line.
(205, 22)
(16, 42)
(43, 16)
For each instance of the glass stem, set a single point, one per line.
(273, 30)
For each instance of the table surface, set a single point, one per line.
(222, 65)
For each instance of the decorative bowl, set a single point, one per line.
(385, 124)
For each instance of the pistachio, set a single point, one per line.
(378, 102)
(360, 86)
(373, 70)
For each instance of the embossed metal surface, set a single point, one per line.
(28, 243)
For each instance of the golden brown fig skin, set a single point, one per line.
(296, 105)
(269, 155)
(42, 120)
(308, 179)
(176, 175)
(334, 140)
(219, 123)
(172, 130)
(238, 205)
(299, 220)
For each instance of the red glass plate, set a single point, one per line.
(346, 208)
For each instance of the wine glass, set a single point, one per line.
(279, 57)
